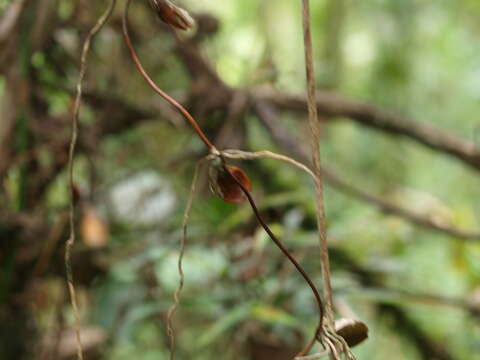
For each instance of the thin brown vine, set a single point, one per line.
(183, 243)
(73, 142)
(333, 342)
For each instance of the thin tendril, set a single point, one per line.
(71, 154)
(178, 291)
(154, 86)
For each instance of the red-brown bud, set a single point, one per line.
(222, 183)
(172, 14)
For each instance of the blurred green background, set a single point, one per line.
(418, 289)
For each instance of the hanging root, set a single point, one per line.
(73, 142)
(178, 291)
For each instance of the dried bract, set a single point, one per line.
(172, 14)
(222, 183)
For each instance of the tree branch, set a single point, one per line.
(334, 106)
(267, 115)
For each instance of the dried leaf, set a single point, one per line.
(353, 331)
(94, 229)
(224, 186)
(172, 14)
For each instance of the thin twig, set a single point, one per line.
(73, 141)
(332, 341)
(281, 136)
(245, 155)
(335, 107)
(154, 86)
(178, 291)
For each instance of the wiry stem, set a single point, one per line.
(292, 260)
(154, 86)
(186, 215)
(335, 343)
(315, 149)
(73, 142)
(245, 155)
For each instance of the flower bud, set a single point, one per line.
(222, 183)
(172, 14)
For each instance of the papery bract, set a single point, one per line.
(226, 187)
(172, 14)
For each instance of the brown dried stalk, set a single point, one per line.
(315, 148)
(73, 142)
(333, 342)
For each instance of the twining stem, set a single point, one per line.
(315, 149)
(183, 243)
(290, 257)
(246, 155)
(154, 86)
(71, 154)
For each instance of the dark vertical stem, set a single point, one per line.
(290, 257)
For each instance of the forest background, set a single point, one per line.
(399, 97)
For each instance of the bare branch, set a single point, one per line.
(267, 115)
(325, 333)
(334, 106)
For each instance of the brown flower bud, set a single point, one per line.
(172, 14)
(222, 183)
